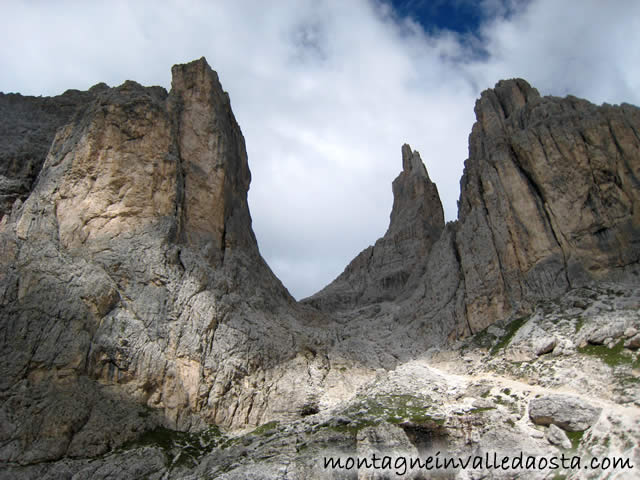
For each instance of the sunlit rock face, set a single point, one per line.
(131, 276)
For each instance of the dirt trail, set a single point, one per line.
(532, 390)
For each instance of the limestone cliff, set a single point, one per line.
(549, 199)
(381, 272)
(131, 276)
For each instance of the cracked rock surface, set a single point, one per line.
(131, 276)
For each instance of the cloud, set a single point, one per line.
(582, 48)
(326, 92)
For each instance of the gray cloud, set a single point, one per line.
(326, 92)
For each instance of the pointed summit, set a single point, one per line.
(411, 161)
(382, 272)
(498, 104)
(415, 198)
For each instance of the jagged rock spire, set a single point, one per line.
(415, 198)
(411, 161)
(381, 272)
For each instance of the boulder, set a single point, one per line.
(633, 343)
(567, 412)
(556, 436)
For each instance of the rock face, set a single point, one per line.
(549, 198)
(549, 201)
(556, 436)
(27, 128)
(381, 272)
(131, 276)
(403, 294)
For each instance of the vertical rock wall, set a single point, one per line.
(549, 198)
(131, 277)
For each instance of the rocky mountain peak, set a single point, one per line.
(185, 76)
(137, 315)
(506, 97)
(415, 198)
(533, 220)
(381, 271)
(141, 264)
(411, 161)
(213, 156)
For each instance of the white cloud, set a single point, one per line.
(326, 92)
(585, 48)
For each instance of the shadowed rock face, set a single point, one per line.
(381, 272)
(549, 198)
(27, 128)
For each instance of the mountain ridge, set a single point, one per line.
(135, 299)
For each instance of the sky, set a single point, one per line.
(327, 91)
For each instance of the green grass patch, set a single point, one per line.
(575, 438)
(352, 428)
(394, 409)
(611, 356)
(180, 448)
(229, 442)
(628, 443)
(512, 328)
(579, 324)
(266, 428)
(481, 410)
(483, 338)
(629, 380)
(501, 400)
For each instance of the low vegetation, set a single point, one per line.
(511, 329)
(617, 355)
